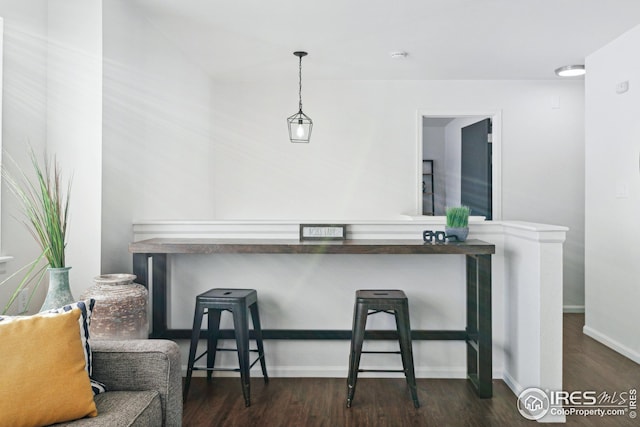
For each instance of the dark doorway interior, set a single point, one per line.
(476, 168)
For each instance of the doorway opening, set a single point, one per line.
(459, 162)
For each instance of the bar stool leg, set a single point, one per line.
(241, 326)
(359, 324)
(257, 329)
(195, 337)
(404, 332)
(398, 326)
(213, 330)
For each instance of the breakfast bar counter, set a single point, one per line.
(150, 262)
(287, 246)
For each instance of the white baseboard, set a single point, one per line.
(573, 309)
(514, 385)
(612, 344)
(516, 388)
(549, 418)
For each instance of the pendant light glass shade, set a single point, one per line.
(299, 127)
(299, 124)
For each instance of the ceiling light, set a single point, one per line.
(299, 124)
(571, 71)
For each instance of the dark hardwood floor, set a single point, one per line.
(310, 402)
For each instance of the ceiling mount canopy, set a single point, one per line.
(299, 124)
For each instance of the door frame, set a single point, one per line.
(496, 154)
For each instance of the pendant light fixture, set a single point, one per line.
(299, 124)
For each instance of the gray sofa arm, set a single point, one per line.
(142, 365)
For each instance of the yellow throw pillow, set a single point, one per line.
(42, 371)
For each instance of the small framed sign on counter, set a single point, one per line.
(323, 232)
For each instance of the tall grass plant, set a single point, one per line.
(45, 208)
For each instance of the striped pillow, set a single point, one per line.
(97, 387)
(86, 309)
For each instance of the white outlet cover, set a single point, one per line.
(622, 190)
(622, 87)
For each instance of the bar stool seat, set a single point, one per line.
(369, 302)
(239, 302)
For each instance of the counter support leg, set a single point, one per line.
(479, 341)
(157, 285)
(485, 371)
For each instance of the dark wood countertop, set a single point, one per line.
(285, 246)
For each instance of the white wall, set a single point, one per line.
(1, 81)
(157, 155)
(612, 202)
(23, 116)
(368, 157)
(74, 125)
(361, 162)
(52, 90)
(179, 146)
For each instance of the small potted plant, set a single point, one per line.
(457, 223)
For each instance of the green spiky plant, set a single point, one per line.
(45, 207)
(458, 216)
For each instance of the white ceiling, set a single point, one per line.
(352, 39)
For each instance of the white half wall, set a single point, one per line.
(612, 199)
(533, 310)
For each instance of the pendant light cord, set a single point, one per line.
(300, 84)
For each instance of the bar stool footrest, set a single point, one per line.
(203, 368)
(380, 352)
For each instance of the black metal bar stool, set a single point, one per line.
(237, 301)
(370, 302)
